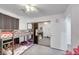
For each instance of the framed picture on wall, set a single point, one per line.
(29, 26)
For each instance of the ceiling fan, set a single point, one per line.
(29, 8)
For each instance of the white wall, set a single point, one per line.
(68, 27)
(23, 23)
(75, 27)
(73, 11)
(68, 30)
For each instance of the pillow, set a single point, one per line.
(6, 34)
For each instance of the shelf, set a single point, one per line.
(7, 39)
(7, 42)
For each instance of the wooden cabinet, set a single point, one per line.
(7, 22)
(11, 23)
(0, 21)
(14, 23)
(4, 19)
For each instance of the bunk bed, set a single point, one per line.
(23, 45)
(10, 44)
(6, 41)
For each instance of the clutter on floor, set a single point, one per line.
(75, 51)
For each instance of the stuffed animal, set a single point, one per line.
(75, 51)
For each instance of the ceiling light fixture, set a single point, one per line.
(33, 8)
(27, 8)
(30, 8)
(45, 23)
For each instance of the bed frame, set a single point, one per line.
(15, 34)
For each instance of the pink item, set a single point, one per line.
(75, 51)
(6, 34)
(68, 52)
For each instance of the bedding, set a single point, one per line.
(6, 35)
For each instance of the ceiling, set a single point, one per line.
(43, 9)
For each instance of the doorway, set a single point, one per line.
(35, 28)
(41, 33)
